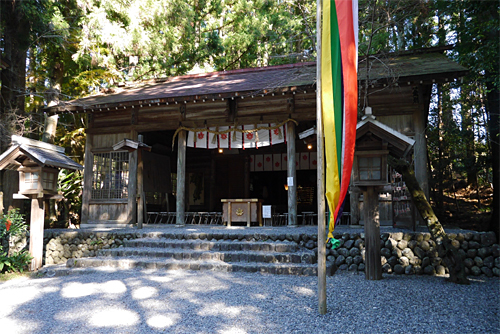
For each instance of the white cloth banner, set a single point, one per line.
(197, 139)
(248, 138)
(278, 135)
(224, 137)
(237, 139)
(259, 163)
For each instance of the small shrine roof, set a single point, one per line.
(43, 154)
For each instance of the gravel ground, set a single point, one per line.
(133, 301)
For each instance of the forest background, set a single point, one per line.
(53, 51)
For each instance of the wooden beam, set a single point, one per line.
(291, 174)
(181, 178)
(232, 110)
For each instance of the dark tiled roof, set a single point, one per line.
(266, 79)
(251, 80)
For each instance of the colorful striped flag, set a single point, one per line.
(339, 89)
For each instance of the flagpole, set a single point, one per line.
(320, 172)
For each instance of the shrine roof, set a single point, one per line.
(264, 80)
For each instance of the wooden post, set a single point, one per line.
(87, 179)
(181, 179)
(246, 171)
(320, 173)
(291, 173)
(249, 214)
(373, 269)
(132, 189)
(36, 232)
(354, 202)
(1, 203)
(229, 208)
(213, 171)
(140, 189)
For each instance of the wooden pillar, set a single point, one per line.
(373, 266)
(87, 178)
(246, 171)
(291, 174)
(181, 178)
(36, 232)
(213, 171)
(354, 202)
(132, 189)
(140, 189)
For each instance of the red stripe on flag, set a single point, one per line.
(350, 84)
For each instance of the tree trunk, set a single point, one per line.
(493, 97)
(16, 32)
(49, 133)
(446, 250)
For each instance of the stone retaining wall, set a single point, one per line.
(402, 253)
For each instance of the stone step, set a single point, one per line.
(305, 257)
(172, 264)
(220, 245)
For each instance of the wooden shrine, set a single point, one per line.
(168, 112)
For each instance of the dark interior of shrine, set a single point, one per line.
(212, 175)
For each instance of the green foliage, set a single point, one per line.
(17, 262)
(71, 184)
(12, 224)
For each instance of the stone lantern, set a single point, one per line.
(38, 164)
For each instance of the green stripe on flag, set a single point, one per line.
(337, 84)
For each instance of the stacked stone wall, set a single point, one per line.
(402, 253)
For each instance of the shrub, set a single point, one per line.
(12, 224)
(17, 261)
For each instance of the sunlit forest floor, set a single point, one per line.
(461, 208)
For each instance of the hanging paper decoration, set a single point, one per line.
(277, 164)
(339, 92)
(236, 136)
(259, 163)
(268, 162)
(198, 139)
(313, 160)
(304, 160)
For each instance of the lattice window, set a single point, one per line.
(110, 175)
